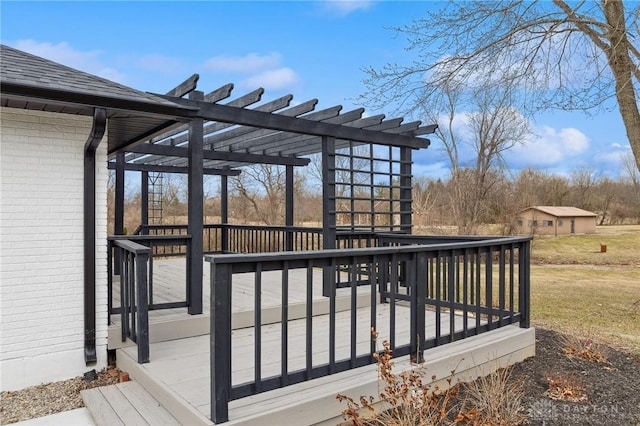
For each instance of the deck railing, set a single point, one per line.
(134, 278)
(477, 285)
(159, 246)
(227, 238)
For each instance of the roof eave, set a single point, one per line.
(66, 97)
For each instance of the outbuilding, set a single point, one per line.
(556, 220)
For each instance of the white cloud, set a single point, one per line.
(262, 70)
(277, 79)
(345, 7)
(612, 155)
(63, 53)
(249, 63)
(550, 147)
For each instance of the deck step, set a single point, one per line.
(126, 404)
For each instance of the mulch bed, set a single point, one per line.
(564, 385)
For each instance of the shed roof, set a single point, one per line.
(563, 211)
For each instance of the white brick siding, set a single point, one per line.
(41, 248)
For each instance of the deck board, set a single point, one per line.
(169, 285)
(127, 404)
(185, 368)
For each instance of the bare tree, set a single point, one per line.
(573, 56)
(633, 176)
(476, 146)
(262, 186)
(583, 182)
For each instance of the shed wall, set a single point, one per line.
(536, 222)
(41, 248)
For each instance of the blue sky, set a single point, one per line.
(311, 49)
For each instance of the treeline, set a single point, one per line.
(436, 202)
(457, 205)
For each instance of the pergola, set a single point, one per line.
(466, 285)
(187, 131)
(225, 135)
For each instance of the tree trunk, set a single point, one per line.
(622, 69)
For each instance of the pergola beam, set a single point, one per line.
(247, 117)
(182, 152)
(135, 167)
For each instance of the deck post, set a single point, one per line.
(144, 202)
(220, 341)
(289, 212)
(142, 307)
(524, 283)
(195, 211)
(224, 213)
(118, 219)
(328, 207)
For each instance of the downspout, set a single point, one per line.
(90, 148)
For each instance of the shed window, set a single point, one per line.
(559, 222)
(548, 223)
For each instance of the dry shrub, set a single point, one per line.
(407, 401)
(565, 388)
(496, 399)
(586, 349)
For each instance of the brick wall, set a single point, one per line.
(41, 248)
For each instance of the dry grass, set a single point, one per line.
(623, 248)
(588, 301)
(579, 291)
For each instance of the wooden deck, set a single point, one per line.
(178, 375)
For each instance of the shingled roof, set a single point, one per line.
(31, 82)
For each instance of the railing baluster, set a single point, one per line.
(393, 285)
(309, 321)
(284, 351)
(124, 294)
(452, 282)
(501, 284)
(419, 302)
(465, 293)
(257, 338)
(438, 303)
(511, 282)
(478, 263)
(375, 284)
(489, 286)
(354, 299)
(332, 316)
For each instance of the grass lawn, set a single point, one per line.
(578, 290)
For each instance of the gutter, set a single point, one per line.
(90, 148)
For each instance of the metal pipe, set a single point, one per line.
(90, 148)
